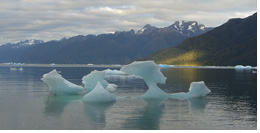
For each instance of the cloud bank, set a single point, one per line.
(54, 19)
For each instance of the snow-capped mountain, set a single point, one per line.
(146, 29)
(186, 28)
(24, 43)
(114, 48)
(189, 28)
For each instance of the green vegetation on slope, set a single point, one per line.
(232, 43)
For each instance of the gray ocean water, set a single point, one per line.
(26, 102)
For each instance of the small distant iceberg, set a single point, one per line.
(114, 72)
(166, 66)
(99, 94)
(254, 71)
(196, 90)
(243, 67)
(16, 69)
(118, 65)
(13, 68)
(60, 86)
(116, 75)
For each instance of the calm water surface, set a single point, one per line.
(26, 102)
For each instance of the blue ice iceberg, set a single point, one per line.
(197, 89)
(151, 74)
(117, 75)
(60, 86)
(99, 89)
(166, 66)
(90, 81)
(243, 67)
(114, 72)
(99, 94)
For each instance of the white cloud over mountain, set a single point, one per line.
(55, 19)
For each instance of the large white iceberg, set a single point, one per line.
(90, 81)
(150, 72)
(197, 89)
(99, 94)
(60, 86)
(99, 89)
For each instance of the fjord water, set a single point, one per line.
(26, 102)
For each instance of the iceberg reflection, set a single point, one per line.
(55, 105)
(96, 113)
(149, 117)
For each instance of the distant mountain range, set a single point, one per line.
(186, 28)
(233, 43)
(118, 48)
(25, 43)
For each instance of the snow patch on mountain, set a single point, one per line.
(24, 43)
(186, 28)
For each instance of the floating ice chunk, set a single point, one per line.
(116, 75)
(118, 65)
(119, 77)
(90, 81)
(248, 67)
(166, 66)
(111, 88)
(20, 69)
(114, 72)
(197, 89)
(15, 69)
(99, 94)
(241, 66)
(150, 72)
(60, 86)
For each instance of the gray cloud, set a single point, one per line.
(55, 19)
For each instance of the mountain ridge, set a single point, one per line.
(233, 43)
(118, 48)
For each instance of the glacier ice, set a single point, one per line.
(90, 81)
(151, 74)
(60, 86)
(197, 89)
(99, 94)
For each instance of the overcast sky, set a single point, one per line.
(54, 19)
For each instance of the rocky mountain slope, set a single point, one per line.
(232, 43)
